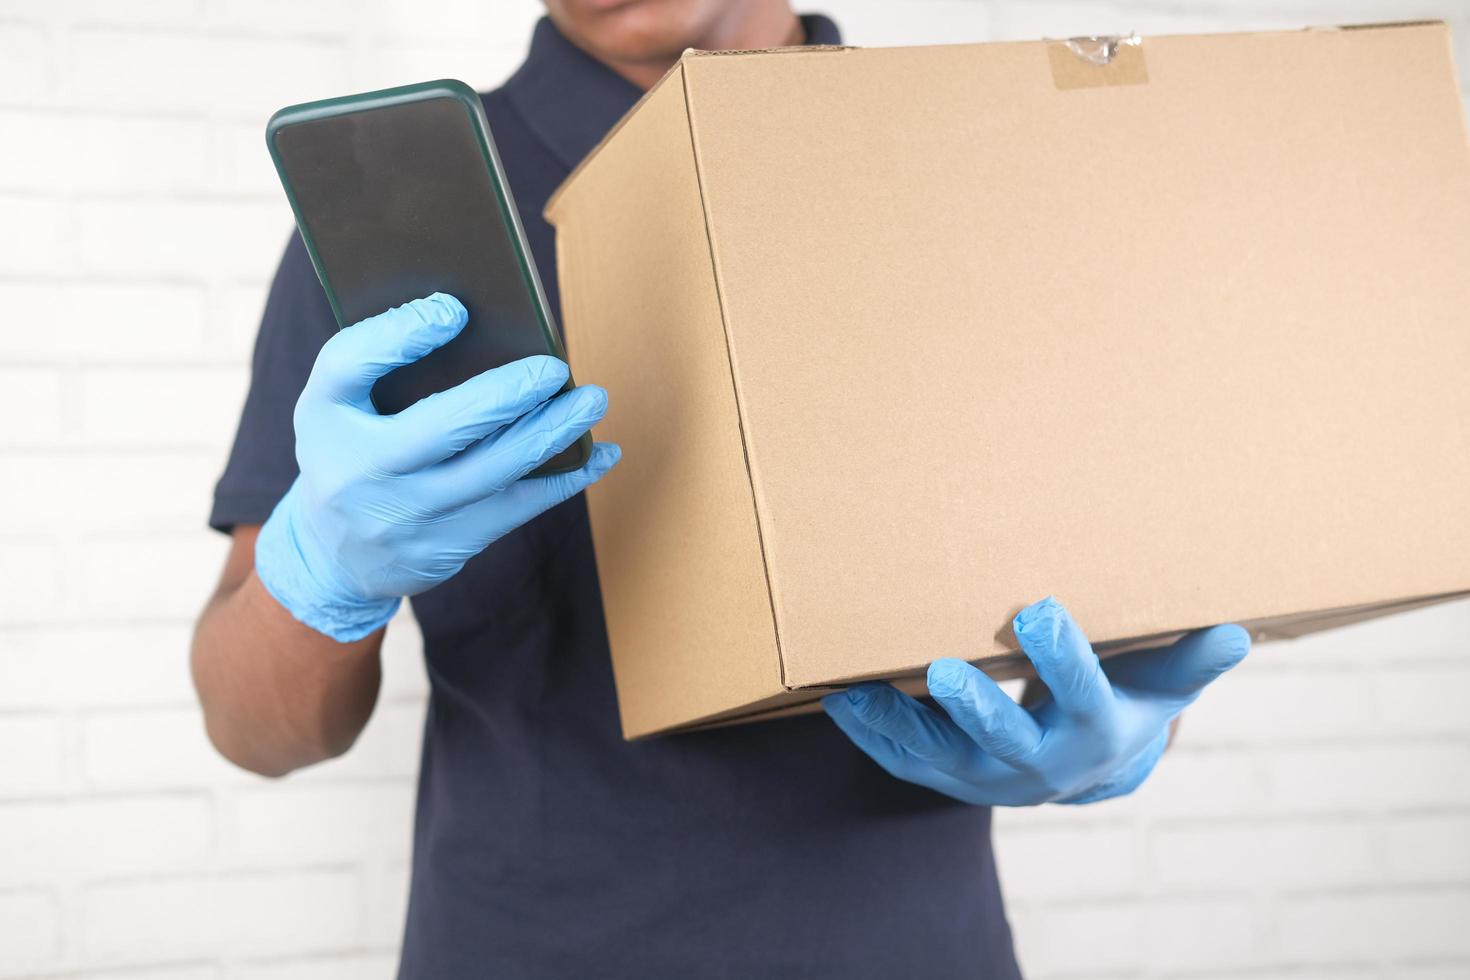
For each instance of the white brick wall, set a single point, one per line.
(1312, 822)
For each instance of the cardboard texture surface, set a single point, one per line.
(898, 340)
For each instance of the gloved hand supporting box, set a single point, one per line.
(897, 340)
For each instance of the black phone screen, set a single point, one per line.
(399, 202)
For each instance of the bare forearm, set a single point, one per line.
(277, 695)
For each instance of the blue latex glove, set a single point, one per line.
(388, 506)
(1096, 734)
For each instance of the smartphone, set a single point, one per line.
(400, 193)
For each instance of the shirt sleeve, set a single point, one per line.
(297, 321)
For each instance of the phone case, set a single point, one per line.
(392, 392)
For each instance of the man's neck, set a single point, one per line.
(750, 24)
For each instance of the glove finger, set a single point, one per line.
(1063, 659)
(359, 355)
(485, 520)
(893, 758)
(491, 466)
(1183, 668)
(979, 786)
(443, 424)
(924, 733)
(984, 712)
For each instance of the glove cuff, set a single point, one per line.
(282, 566)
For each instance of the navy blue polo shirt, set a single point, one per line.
(545, 845)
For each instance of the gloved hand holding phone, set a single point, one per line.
(389, 506)
(1096, 734)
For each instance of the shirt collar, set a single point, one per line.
(570, 100)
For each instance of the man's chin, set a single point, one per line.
(636, 31)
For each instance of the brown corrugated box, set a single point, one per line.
(898, 340)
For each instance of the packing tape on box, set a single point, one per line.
(1098, 61)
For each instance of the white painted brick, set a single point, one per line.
(1031, 19)
(241, 162)
(1204, 934)
(505, 23)
(1429, 847)
(1332, 12)
(1189, 782)
(1436, 632)
(32, 755)
(31, 924)
(30, 581)
(872, 23)
(1425, 699)
(1159, 19)
(147, 576)
(1370, 776)
(1087, 939)
(106, 491)
(16, 12)
(1299, 855)
(245, 914)
(248, 76)
(1028, 934)
(1419, 924)
(31, 407)
(368, 966)
(153, 971)
(386, 890)
(390, 744)
(1337, 971)
(1250, 705)
(68, 151)
(320, 18)
(480, 67)
(1461, 28)
(38, 236)
(164, 13)
(1458, 969)
(81, 666)
(120, 751)
(1178, 934)
(1066, 864)
(236, 320)
(404, 674)
(201, 239)
(344, 821)
(25, 68)
(104, 836)
(131, 322)
(148, 407)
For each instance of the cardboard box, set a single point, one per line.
(899, 340)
